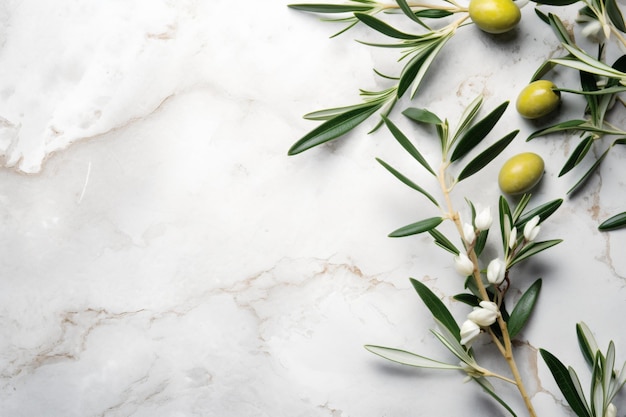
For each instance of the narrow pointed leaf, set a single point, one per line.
(506, 223)
(407, 145)
(453, 346)
(481, 241)
(486, 156)
(382, 27)
(559, 127)
(559, 29)
(556, 2)
(615, 222)
(577, 155)
(328, 114)
(408, 358)
(609, 366)
(433, 13)
(411, 70)
(422, 116)
(334, 128)
(437, 308)
(523, 308)
(590, 171)
(543, 211)
(477, 132)
(468, 116)
(406, 9)
(586, 342)
(469, 299)
(489, 390)
(615, 15)
(329, 8)
(421, 73)
(443, 241)
(520, 207)
(563, 380)
(407, 181)
(533, 249)
(417, 227)
(578, 386)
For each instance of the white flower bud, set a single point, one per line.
(496, 271)
(483, 219)
(531, 229)
(463, 265)
(468, 233)
(469, 330)
(484, 316)
(490, 305)
(611, 411)
(513, 238)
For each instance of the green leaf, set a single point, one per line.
(481, 241)
(609, 367)
(443, 241)
(406, 9)
(506, 221)
(486, 156)
(334, 128)
(328, 114)
(543, 211)
(408, 358)
(577, 155)
(489, 390)
(417, 227)
(329, 8)
(596, 67)
(477, 132)
(608, 90)
(422, 116)
(533, 249)
(414, 71)
(559, 127)
(407, 145)
(520, 207)
(615, 222)
(437, 308)
(556, 2)
(523, 308)
(469, 299)
(559, 29)
(407, 181)
(590, 171)
(563, 380)
(445, 337)
(586, 342)
(382, 27)
(468, 116)
(433, 13)
(615, 15)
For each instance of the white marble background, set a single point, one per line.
(163, 256)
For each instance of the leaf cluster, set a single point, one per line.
(605, 383)
(419, 50)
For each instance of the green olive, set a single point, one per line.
(520, 173)
(538, 99)
(494, 16)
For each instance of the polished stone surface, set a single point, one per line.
(163, 256)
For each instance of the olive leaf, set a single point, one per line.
(559, 127)
(475, 134)
(506, 221)
(408, 358)
(439, 311)
(468, 116)
(615, 15)
(422, 116)
(520, 207)
(614, 222)
(577, 155)
(555, 2)
(533, 248)
(565, 383)
(487, 156)
(383, 27)
(417, 227)
(407, 145)
(589, 172)
(407, 181)
(443, 242)
(521, 312)
(329, 8)
(484, 383)
(543, 211)
(334, 127)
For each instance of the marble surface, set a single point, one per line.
(163, 256)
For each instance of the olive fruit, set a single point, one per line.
(494, 16)
(520, 173)
(538, 99)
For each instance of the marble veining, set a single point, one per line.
(165, 257)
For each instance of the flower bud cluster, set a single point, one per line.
(483, 316)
